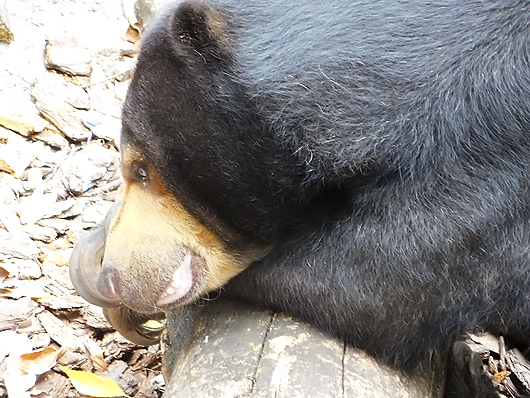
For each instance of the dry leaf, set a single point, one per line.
(93, 385)
(4, 166)
(60, 257)
(96, 353)
(5, 272)
(500, 376)
(39, 362)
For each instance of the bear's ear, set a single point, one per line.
(204, 29)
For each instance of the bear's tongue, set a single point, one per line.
(180, 285)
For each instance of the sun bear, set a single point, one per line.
(363, 166)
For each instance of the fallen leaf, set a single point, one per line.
(93, 385)
(4, 166)
(96, 353)
(39, 362)
(500, 376)
(5, 272)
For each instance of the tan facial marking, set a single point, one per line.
(151, 225)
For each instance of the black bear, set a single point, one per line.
(362, 165)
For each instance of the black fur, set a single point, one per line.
(380, 148)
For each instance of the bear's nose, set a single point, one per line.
(108, 283)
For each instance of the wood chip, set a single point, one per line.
(62, 104)
(16, 313)
(38, 232)
(64, 55)
(16, 153)
(17, 246)
(59, 332)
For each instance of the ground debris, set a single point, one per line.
(5, 31)
(506, 366)
(65, 55)
(62, 83)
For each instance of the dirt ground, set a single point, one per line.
(64, 71)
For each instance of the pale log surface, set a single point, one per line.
(238, 351)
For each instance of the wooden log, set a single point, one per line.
(229, 349)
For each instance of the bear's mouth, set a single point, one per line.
(159, 286)
(167, 288)
(182, 283)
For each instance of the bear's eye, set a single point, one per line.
(140, 172)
